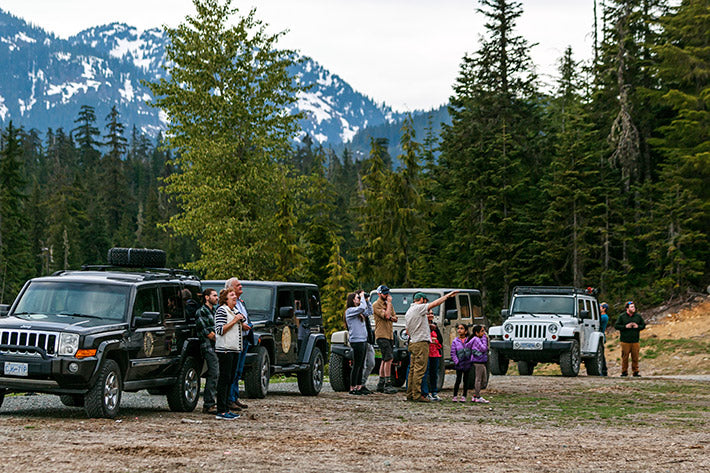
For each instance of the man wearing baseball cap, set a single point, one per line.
(629, 324)
(419, 338)
(384, 318)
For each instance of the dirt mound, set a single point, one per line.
(676, 340)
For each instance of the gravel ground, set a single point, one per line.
(336, 431)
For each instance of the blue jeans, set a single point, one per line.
(430, 380)
(234, 390)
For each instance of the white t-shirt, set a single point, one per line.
(417, 323)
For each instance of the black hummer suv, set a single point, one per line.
(88, 335)
(288, 331)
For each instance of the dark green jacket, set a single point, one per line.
(629, 335)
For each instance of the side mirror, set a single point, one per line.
(148, 319)
(505, 313)
(285, 312)
(451, 314)
(584, 314)
(4, 309)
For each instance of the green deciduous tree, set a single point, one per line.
(226, 99)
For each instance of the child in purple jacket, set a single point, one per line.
(479, 358)
(459, 347)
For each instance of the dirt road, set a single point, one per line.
(538, 423)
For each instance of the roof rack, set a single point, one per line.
(160, 273)
(562, 290)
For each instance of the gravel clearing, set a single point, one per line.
(339, 432)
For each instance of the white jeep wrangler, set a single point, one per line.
(549, 325)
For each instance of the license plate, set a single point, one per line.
(530, 346)
(15, 369)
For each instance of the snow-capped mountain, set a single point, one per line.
(44, 81)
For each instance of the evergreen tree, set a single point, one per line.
(335, 290)
(16, 262)
(226, 97)
(491, 161)
(680, 211)
(117, 201)
(86, 136)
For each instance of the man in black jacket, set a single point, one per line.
(629, 325)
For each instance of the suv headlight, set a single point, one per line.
(553, 328)
(68, 343)
(508, 327)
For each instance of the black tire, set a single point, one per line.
(2, 396)
(137, 257)
(497, 362)
(184, 394)
(72, 400)
(104, 397)
(570, 361)
(595, 365)
(310, 382)
(256, 379)
(399, 373)
(339, 370)
(526, 368)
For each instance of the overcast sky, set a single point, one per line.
(405, 53)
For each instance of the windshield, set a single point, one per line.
(543, 305)
(258, 299)
(76, 299)
(402, 300)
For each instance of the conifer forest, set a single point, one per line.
(600, 179)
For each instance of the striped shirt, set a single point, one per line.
(220, 320)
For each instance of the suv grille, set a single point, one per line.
(535, 331)
(24, 338)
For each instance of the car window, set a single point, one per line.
(313, 303)
(146, 301)
(595, 310)
(464, 306)
(172, 303)
(300, 303)
(62, 298)
(476, 306)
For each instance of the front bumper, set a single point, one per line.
(550, 351)
(49, 374)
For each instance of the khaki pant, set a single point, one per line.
(633, 350)
(418, 359)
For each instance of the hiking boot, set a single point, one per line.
(209, 409)
(624, 374)
(388, 388)
(422, 399)
(364, 390)
(381, 385)
(637, 375)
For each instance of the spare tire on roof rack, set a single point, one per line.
(137, 257)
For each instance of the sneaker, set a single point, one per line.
(637, 375)
(484, 401)
(226, 416)
(430, 397)
(624, 374)
(435, 397)
(458, 399)
(355, 392)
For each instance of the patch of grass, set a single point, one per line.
(653, 347)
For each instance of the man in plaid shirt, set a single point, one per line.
(205, 330)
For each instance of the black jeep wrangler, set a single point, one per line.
(91, 334)
(288, 331)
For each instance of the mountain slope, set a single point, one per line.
(44, 81)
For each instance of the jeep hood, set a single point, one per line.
(56, 323)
